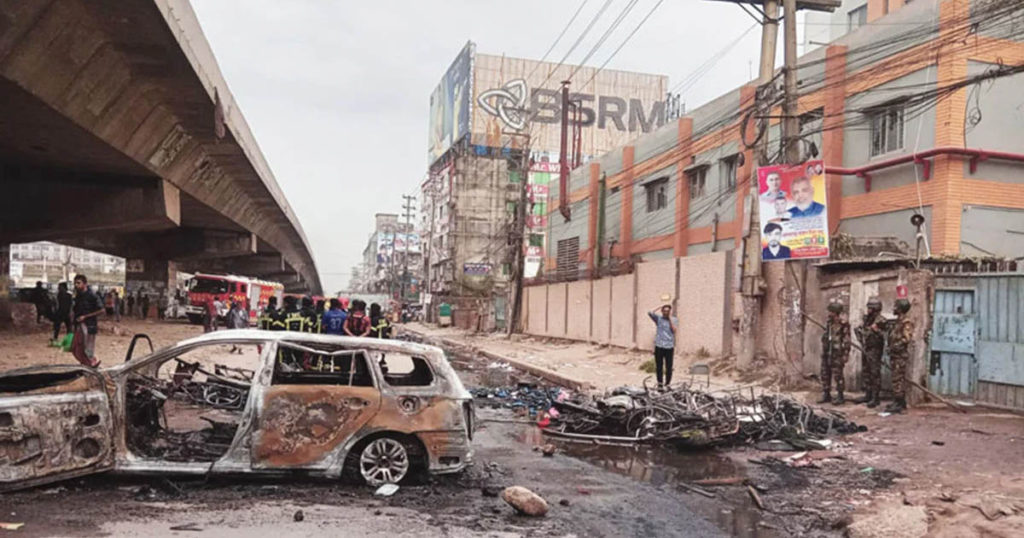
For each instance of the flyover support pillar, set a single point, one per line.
(154, 278)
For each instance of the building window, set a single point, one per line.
(856, 18)
(698, 180)
(657, 194)
(728, 167)
(886, 129)
(812, 120)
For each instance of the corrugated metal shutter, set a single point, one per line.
(568, 260)
(1001, 340)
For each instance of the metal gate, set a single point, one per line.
(1001, 340)
(953, 366)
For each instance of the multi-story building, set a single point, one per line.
(486, 113)
(51, 263)
(914, 112)
(393, 254)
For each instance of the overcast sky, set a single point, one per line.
(337, 92)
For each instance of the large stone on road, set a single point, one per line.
(525, 501)
(892, 522)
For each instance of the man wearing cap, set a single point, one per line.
(900, 336)
(835, 348)
(872, 339)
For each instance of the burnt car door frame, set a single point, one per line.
(318, 420)
(236, 459)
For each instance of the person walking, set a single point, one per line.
(118, 305)
(333, 321)
(380, 327)
(835, 348)
(664, 343)
(901, 336)
(144, 301)
(210, 318)
(86, 308)
(130, 300)
(44, 305)
(872, 339)
(63, 314)
(238, 318)
(162, 303)
(357, 324)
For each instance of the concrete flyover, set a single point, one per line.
(118, 133)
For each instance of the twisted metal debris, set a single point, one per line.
(692, 417)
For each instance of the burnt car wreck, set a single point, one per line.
(376, 410)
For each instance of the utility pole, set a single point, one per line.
(518, 241)
(408, 207)
(792, 148)
(753, 283)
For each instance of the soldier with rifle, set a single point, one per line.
(901, 334)
(835, 348)
(871, 335)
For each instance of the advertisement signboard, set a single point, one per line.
(450, 105)
(476, 269)
(518, 95)
(794, 215)
(407, 243)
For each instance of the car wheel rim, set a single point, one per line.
(384, 461)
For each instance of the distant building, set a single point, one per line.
(52, 263)
(392, 246)
(482, 114)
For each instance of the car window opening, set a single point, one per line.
(188, 408)
(405, 371)
(42, 382)
(321, 365)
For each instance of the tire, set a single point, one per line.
(384, 460)
(195, 319)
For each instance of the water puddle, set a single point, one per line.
(656, 465)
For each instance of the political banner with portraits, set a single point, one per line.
(794, 216)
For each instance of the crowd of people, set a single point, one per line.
(336, 317)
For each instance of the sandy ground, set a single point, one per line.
(602, 367)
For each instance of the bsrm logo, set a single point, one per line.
(508, 103)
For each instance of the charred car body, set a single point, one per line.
(312, 404)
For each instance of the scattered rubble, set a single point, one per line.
(386, 490)
(524, 397)
(525, 501)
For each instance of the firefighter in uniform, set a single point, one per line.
(872, 340)
(312, 320)
(901, 334)
(835, 348)
(269, 313)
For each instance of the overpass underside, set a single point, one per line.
(118, 134)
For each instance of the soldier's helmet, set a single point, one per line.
(874, 304)
(902, 306)
(835, 308)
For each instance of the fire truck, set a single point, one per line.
(252, 293)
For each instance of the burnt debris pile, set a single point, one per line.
(683, 416)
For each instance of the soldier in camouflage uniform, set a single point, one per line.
(835, 348)
(900, 336)
(872, 339)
